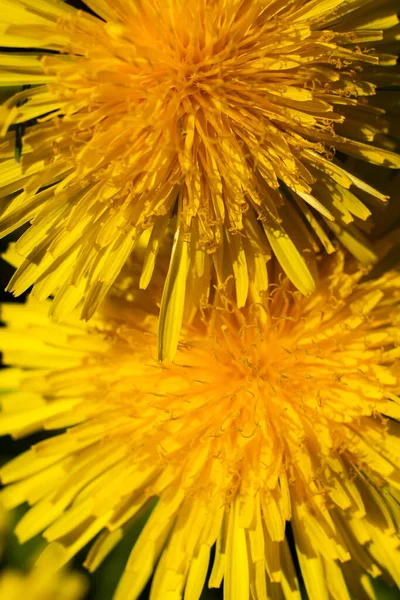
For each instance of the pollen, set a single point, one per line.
(278, 416)
(229, 119)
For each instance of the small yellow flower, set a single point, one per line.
(283, 413)
(41, 584)
(226, 112)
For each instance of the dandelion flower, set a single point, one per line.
(225, 112)
(279, 416)
(41, 584)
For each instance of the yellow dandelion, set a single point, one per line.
(279, 415)
(41, 584)
(224, 112)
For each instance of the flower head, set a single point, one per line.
(285, 411)
(226, 112)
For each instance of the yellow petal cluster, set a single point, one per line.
(223, 116)
(277, 417)
(41, 584)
